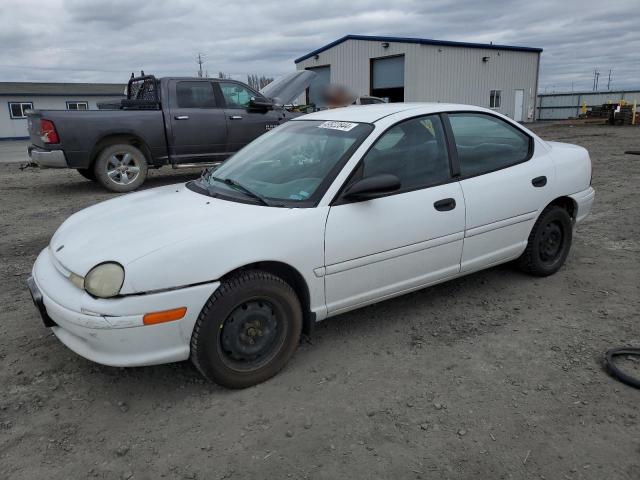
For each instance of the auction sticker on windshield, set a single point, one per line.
(343, 126)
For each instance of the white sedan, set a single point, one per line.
(325, 214)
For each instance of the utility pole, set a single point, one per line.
(596, 74)
(609, 81)
(200, 62)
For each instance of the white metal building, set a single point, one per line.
(17, 97)
(558, 106)
(502, 77)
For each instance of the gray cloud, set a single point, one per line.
(104, 40)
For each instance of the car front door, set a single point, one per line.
(506, 181)
(198, 124)
(243, 123)
(403, 241)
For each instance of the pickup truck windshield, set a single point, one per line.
(294, 163)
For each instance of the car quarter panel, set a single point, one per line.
(573, 168)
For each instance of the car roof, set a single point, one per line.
(375, 112)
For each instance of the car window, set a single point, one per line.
(236, 95)
(294, 162)
(195, 95)
(415, 151)
(487, 143)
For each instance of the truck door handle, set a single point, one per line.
(181, 117)
(539, 181)
(445, 204)
(235, 117)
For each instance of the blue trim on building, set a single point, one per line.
(422, 41)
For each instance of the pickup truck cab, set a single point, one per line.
(182, 122)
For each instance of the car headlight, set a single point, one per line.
(104, 280)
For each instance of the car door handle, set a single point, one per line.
(235, 117)
(445, 204)
(181, 117)
(539, 181)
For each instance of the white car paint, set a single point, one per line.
(175, 244)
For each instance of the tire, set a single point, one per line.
(247, 331)
(549, 243)
(87, 173)
(121, 168)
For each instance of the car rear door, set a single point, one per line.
(198, 125)
(390, 245)
(243, 123)
(506, 181)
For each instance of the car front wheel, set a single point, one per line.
(549, 243)
(247, 331)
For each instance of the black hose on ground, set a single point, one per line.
(633, 152)
(615, 371)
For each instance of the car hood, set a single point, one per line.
(136, 225)
(286, 89)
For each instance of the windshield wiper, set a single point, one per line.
(242, 188)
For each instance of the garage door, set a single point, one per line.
(387, 78)
(323, 78)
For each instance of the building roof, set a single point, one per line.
(375, 112)
(422, 41)
(62, 89)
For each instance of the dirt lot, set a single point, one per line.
(496, 375)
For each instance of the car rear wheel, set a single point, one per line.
(549, 243)
(247, 331)
(121, 168)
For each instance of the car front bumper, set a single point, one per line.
(111, 331)
(47, 158)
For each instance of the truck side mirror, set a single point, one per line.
(260, 103)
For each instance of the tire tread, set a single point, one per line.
(228, 286)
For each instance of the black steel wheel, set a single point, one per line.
(247, 331)
(251, 334)
(549, 242)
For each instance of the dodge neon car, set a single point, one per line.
(325, 214)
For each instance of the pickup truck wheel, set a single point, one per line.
(121, 168)
(87, 173)
(549, 243)
(247, 331)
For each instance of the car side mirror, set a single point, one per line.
(260, 103)
(373, 187)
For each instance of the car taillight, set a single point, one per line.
(48, 132)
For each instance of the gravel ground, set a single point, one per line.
(14, 151)
(495, 375)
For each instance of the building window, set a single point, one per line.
(494, 98)
(77, 106)
(19, 109)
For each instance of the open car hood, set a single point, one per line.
(284, 90)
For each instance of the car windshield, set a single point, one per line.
(293, 164)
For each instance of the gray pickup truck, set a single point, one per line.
(182, 122)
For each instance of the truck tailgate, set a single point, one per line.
(33, 124)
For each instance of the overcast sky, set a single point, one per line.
(104, 40)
